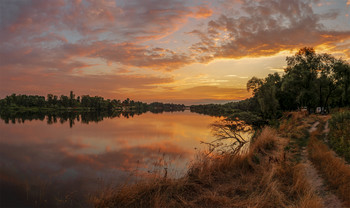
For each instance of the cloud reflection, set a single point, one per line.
(36, 157)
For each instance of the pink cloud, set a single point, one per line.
(42, 26)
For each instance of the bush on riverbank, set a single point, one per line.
(339, 135)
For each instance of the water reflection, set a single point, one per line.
(71, 116)
(52, 165)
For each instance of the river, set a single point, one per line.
(51, 162)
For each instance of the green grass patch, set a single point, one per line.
(339, 135)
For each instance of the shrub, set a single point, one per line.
(339, 135)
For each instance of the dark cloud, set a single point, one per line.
(264, 28)
(140, 56)
(120, 21)
(39, 33)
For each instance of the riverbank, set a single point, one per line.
(271, 173)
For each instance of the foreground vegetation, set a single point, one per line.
(270, 173)
(339, 137)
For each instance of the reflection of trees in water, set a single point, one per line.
(68, 116)
(63, 117)
(230, 136)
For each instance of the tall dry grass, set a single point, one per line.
(293, 123)
(261, 177)
(333, 168)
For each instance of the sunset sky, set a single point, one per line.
(160, 50)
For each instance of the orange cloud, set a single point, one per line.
(261, 34)
(197, 95)
(203, 12)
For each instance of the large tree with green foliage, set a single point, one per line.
(311, 80)
(265, 91)
(301, 77)
(316, 79)
(342, 75)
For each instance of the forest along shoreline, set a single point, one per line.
(20, 108)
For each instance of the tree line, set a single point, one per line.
(310, 81)
(96, 103)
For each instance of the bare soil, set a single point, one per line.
(329, 199)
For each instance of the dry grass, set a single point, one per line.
(261, 177)
(299, 188)
(333, 168)
(293, 123)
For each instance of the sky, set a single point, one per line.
(180, 51)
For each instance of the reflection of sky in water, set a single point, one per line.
(40, 158)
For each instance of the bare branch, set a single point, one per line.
(229, 138)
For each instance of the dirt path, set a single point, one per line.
(329, 199)
(314, 127)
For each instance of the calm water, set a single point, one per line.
(50, 164)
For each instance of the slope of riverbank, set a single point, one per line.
(270, 174)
